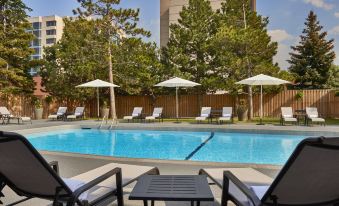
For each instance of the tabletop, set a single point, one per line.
(172, 188)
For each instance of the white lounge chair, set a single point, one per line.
(28, 174)
(78, 113)
(135, 114)
(205, 113)
(59, 114)
(287, 115)
(157, 114)
(313, 116)
(227, 115)
(6, 116)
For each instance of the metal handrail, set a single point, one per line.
(102, 122)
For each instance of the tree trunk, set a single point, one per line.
(110, 74)
(249, 72)
(250, 102)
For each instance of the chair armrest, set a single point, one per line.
(228, 176)
(116, 171)
(55, 166)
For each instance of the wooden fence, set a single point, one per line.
(325, 100)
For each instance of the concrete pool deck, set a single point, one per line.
(73, 164)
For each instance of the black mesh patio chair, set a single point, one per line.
(310, 177)
(28, 174)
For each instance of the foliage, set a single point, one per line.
(189, 53)
(243, 47)
(36, 102)
(299, 95)
(114, 24)
(77, 58)
(333, 80)
(312, 59)
(336, 93)
(14, 48)
(48, 99)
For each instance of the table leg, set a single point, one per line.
(152, 203)
(198, 203)
(145, 203)
(192, 203)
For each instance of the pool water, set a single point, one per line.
(172, 145)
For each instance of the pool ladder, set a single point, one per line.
(103, 120)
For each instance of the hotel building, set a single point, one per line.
(169, 14)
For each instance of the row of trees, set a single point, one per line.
(214, 48)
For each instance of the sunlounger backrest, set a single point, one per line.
(25, 171)
(157, 112)
(205, 111)
(4, 111)
(79, 110)
(309, 176)
(312, 112)
(136, 111)
(227, 111)
(61, 110)
(286, 112)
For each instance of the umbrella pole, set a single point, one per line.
(98, 106)
(177, 103)
(261, 100)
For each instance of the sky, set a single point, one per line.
(286, 18)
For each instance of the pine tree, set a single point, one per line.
(312, 59)
(243, 47)
(14, 48)
(188, 52)
(114, 23)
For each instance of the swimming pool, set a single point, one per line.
(172, 145)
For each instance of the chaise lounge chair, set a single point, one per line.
(205, 114)
(313, 116)
(157, 114)
(6, 116)
(78, 114)
(227, 115)
(60, 114)
(310, 177)
(287, 116)
(135, 114)
(28, 174)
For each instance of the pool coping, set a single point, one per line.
(162, 161)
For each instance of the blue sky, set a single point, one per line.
(287, 18)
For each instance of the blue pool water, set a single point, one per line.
(172, 145)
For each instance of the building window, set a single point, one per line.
(51, 32)
(37, 33)
(36, 25)
(51, 23)
(35, 57)
(36, 42)
(37, 51)
(50, 41)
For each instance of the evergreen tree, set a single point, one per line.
(188, 52)
(243, 47)
(312, 59)
(333, 80)
(114, 24)
(14, 48)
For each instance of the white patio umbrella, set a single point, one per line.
(97, 84)
(261, 80)
(177, 83)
